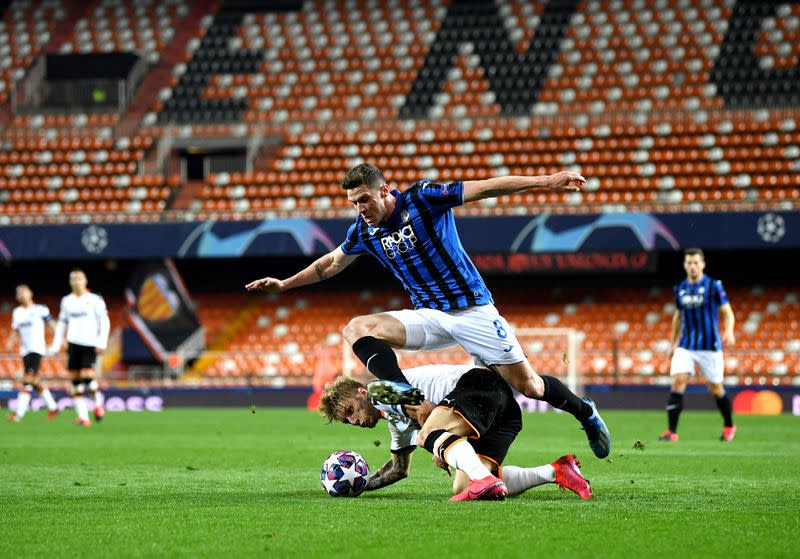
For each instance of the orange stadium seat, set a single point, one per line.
(263, 339)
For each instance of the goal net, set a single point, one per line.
(551, 351)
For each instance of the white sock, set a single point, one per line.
(462, 456)
(518, 480)
(81, 407)
(94, 391)
(23, 399)
(97, 399)
(48, 399)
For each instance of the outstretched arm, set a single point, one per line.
(322, 268)
(393, 471)
(500, 186)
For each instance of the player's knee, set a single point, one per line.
(27, 388)
(717, 390)
(522, 377)
(92, 385)
(78, 387)
(423, 434)
(533, 388)
(360, 327)
(354, 330)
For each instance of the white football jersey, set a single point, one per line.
(435, 382)
(85, 319)
(29, 322)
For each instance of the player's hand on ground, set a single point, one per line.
(270, 285)
(421, 412)
(439, 463)
(567, 180)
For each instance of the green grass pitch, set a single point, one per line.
(231, 483)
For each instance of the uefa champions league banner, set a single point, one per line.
(543, 233)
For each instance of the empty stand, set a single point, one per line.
(25, 30)
(644, 97)
(732, 163)
(69, 172)
(143, 26)
(626, 94)
(624, 334)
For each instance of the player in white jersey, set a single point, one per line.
(28, 323)
(468, 420)
(84, 318)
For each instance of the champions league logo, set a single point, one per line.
(214, 239)
(94, 239)
(399, 242)
(771, 227)
(648, 232)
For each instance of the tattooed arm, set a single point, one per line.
(394, 470)
(321, 269)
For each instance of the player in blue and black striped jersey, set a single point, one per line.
(696, 341)
(413, 234)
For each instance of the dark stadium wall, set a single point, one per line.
(736, 268)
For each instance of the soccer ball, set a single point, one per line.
(344, 474)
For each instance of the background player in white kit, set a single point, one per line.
(468, 420)
(84, 319)
(28, 323)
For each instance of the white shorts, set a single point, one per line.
(481, 331)
(710, 362)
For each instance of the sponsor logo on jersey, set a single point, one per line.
(78, 314)
(692, 300)
(399, 242)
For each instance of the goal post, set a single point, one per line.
(551, 351)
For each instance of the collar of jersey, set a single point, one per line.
(394, 218)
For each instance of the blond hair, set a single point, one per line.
(335, 394)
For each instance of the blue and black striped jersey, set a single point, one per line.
(419, 243)
(699, 305)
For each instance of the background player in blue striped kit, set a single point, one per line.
(413, 234)
(696, 342)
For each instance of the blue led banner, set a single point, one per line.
(632, 232)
